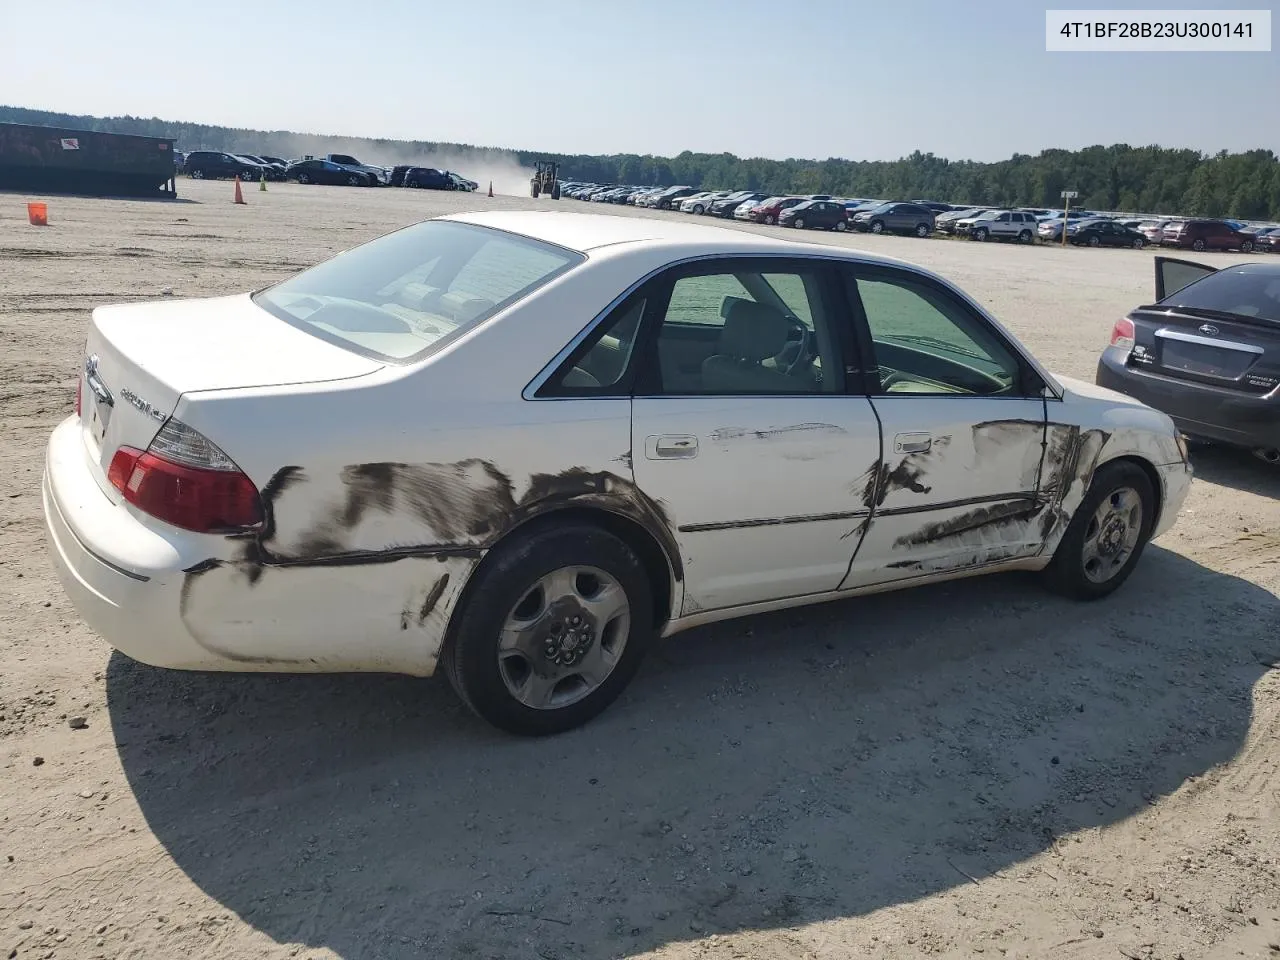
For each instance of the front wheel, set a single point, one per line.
(354, 181)
(534, 191)
(304, 178)
(697, 209)
(1095, 242)
(1107, 534)
(770, 219)
(1197, 245)
(1246, 247)
(554, 629)
(1139, 243)
(981, 234)
(798, 223)
(877, 226)
(197, 174)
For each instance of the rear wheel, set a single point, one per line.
(1107, 534)
(1025, 236)
(1139, 243)
(1197, 245)
(1246, 247)
(1095, 241)
(553, 630)
(841, 226)
(353, 181)
(304, 178)
(922, 230)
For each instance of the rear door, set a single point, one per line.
(1173, 275)
(743, 431)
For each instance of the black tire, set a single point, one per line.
(1139, 243)
(1095, 241)
(697, 209)
(534, 191)
(1197, 245)
(304, 178)
(1025, 236)
(841, 226)
(555, 192)
(770, 220)
(798, 223)
(1246, 247)
(980, 234)
(877, 226)
(196, 174)
(354, 181)
(470, 657)
(922, 230)
(1066, 572)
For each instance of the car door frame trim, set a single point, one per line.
(772, 521)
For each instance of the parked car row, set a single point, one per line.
(923, 218)
(336, 169)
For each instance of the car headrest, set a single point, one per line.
(753, 331)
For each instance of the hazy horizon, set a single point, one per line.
(963, 82)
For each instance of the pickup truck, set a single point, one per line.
(346, 160)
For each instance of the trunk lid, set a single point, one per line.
(1233, 353)
(140, 358)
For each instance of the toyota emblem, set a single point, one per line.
(1208, 329)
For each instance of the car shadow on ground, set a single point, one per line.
(776, 770)
(1237, 469)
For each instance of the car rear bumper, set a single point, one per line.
(191, 601)
(1198, 410)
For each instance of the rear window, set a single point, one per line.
(397, 297)
(1248, 291)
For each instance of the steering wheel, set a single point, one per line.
(804, 344)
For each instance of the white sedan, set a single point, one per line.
(522, 445)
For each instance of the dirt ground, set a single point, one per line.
(969, 770)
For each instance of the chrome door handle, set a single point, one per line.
(912, 443)
(671, 447)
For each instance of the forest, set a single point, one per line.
(1119, 177)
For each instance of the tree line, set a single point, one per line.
(1149, 179)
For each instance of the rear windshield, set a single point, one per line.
(1252, 290)
(411, 291)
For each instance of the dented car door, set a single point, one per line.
(963, 420)
(742, 430)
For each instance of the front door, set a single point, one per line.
(742, 431)
(963, 421)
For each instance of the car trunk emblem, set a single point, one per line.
(1209, 329)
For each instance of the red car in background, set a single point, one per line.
(768, 211)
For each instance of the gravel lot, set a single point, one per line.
(977, 769)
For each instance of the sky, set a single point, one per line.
(861, 79)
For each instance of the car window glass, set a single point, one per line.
(927, 342)
(743, 332)
(605, 355)
(1245, 290)
(397, 296)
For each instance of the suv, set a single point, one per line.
(1198, 235)
(212, 164)
(1000, 225)
(427, 178)
(896, 218)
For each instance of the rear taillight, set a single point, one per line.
(183, 478)
(79, 387)
(1122, 333)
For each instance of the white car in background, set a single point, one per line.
(743, 210)
(519, 446)
(699, 200)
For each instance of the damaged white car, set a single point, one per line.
(523, 445)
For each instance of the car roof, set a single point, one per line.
(588, 231)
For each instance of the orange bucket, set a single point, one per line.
(38, 214)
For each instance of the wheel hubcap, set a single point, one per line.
(1112, 534)
(564, 637)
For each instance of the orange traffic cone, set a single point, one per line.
(239, 195)
(491, 188)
